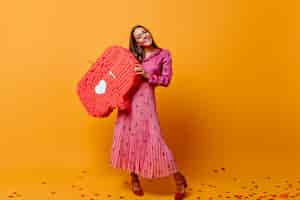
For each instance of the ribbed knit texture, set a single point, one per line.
(115, 67)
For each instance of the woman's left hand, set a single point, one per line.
(139, 69)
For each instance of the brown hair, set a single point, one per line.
(138, 51)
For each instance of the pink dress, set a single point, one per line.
(138, 145)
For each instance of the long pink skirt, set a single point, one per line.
(138, 145)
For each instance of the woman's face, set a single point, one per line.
(142, 37)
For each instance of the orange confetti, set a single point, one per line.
(239, 196)
(273, 195)
(284, 195)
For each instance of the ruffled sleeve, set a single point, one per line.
(164, 78)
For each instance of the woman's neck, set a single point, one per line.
(149, 49)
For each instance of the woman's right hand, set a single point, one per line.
(139, 69)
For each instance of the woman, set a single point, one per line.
(138, 145)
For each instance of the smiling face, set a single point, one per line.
(142, 37)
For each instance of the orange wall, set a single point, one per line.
(233, 102)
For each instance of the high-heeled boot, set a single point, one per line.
(181, 184)
(136, 186)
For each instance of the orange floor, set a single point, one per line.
(92, 184)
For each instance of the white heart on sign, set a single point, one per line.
(100, 87)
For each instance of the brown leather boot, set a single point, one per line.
(181, 184)
(135, 184)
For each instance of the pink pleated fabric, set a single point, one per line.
(138, 144)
